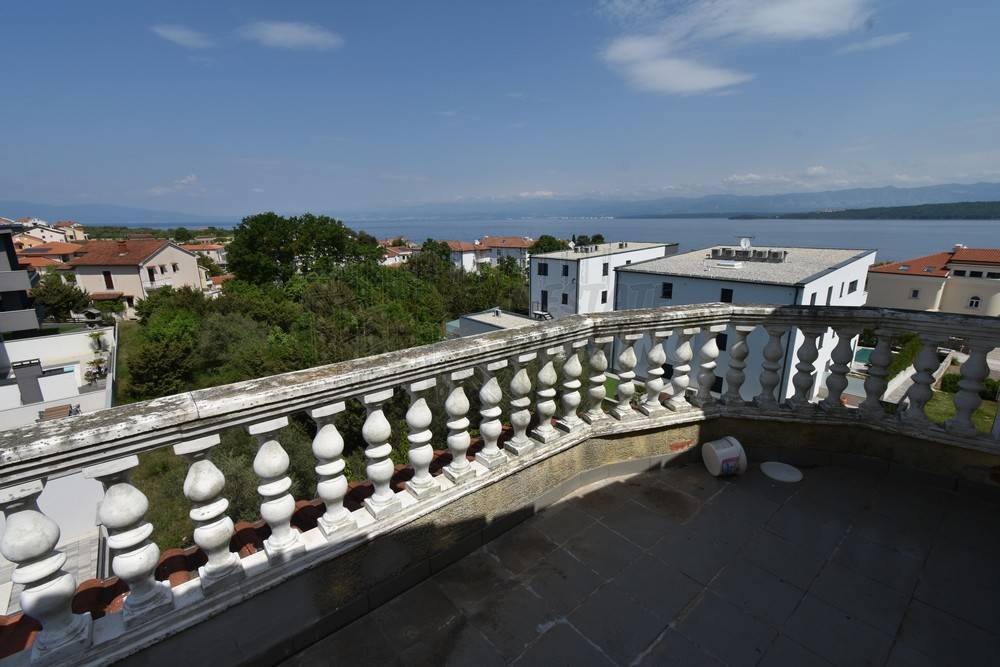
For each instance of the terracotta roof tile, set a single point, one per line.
(462, 246)
(53, 248)
(218, 280)
(36, 262)
(195, 247)
(506, 242)
(977, 256)
(928, 265)
(130, 252)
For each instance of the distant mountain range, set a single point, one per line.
(710, 205)
(102, 214)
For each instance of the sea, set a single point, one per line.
(894, 239)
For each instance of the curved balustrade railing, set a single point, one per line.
(556, 377)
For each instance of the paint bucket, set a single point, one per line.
(724, 457)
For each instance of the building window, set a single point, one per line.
(604, 269)
(667, 291)
(545, 300)
(604, 296)
(975, 274)
(914, 294)
(543, 269)
(722, 340)
(628, 261)
(565, 299)
(960, 273)
(130, 301)
(163, 268)
(852, 287)
(993, 276)
(812, 299)
(974, 302)
(726, 295)
(175, 267)
(829, 295)
(108, 282)
(565, 269)
(841, 290)
(904, 267)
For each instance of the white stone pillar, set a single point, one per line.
(707, 355)
(597, 365)
(655, 359)
(457, 407)
(572, 370)
(627, 361)
(739, 350)
(545, 404)
(878, 370)
(213, 529)
(277, 505)
(921, 390)
(134, 556)
(520, 404)
(29, 540)
(974, 371)
(841, 358)
(682, 355)
(331, 484)
(770, 376)
(490, 426)
(805, 369)
(418, 423)
(376, 432)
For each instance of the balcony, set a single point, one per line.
(572, 524)
(156, 284)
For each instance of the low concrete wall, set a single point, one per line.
(281, 621)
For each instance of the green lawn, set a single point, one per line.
(128, 335)
(941, 408)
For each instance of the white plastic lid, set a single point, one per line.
(781, 472)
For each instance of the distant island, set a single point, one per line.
(971, 210)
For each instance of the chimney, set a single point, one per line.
(957, 247)
(122, 247)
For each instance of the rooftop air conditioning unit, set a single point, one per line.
(716, 253)
(760, 254)
(743, 254)
(727, 252)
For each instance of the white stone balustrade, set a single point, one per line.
(457, 407)
(376, 432)
(841, 358)
(627, 361)
(682, 355)
(570, 399)
(655, 359)
(277, 505)
(708, 353)
(805, 370)
(418, 422)
(122, 512)
(923, 380)
(878, 371)
(770, 376)
(974, 371)
(735, 377)
(545, 395)
(597, 365)
(331, 484)
(490, 426)
(520, 404)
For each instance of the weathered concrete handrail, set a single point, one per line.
(104, 445)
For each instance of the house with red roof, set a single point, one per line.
(73, 229)
(963, 280)
(214, 251)
(516, 247)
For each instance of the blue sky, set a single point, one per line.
(226, 108)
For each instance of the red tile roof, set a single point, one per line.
(105, 296)
(506, 242)
(53, 248)
(131, 252)
(976, 256)
(225, 277)
(66, 223)
(929, 265)
(36, 262)
(462, 246)
(195, 247)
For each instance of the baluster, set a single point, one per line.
(735, 377)
(921, 390)
(627, 361)
(570, 399)
(597, 364)
(805, 370)
(331, 484)
(418, 422)
(681, 378)
(490, 427)
(967, 400)
(457, 407)
(213, 529)
(29, 541)
(878, 369)
(545, 404)
(770, 377)
(122, 511)
(841, 358)
(520, 402)
(707, 355)
(655, 359)
(277, 504)
(376, 432)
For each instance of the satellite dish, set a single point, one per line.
(745, 242)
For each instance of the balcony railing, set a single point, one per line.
(156, 284)
(557, 382)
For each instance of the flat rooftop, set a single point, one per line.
(851, 566)
(503, 320)
(600, 249)
(799, 266)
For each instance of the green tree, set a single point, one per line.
(207, 263)
(58, 298)
(547, 243)
(183, 235)
(263, 248)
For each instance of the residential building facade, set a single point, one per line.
(582, 279)
(73, 229)
(16, 310)
(213, 251)
(468, 256)
(515, 247)
(42, 230)
(964, 281)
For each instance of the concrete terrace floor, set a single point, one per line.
(674, 567)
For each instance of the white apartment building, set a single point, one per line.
(468, 256)
(516, 247)
(746, 275)
(582, 279)
(41, 230)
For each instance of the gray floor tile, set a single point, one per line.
(913, 539)
(804, 526)
(840, 638)
(945, 638)
(888, 565)
(676, 650)
(562, 645)
(786, 653)
(512, 620)
(861, 597)
(613, 621)
(599, 502)
(692, 479)
(697, 555)
(656, 587)
(964, 583)
(563, 581)
(457, 644)
(795, 564)
(726, 631)
(903, 656)
(639, 524)
(473, 578)
(603, 550)
(670, 502)
(417, 613)
(561, 521)
(360, 642)
(757, 591)
(521, 548)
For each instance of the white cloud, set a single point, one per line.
(756, 179)
(537, 194)
(662, 58)
(183, 36)
(879, 42)
(817, 170)
(288, 35)
(188, 184)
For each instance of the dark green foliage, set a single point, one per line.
(909, 349)
(58, 298)
(583, 239)
(183, 235)
(949, 383)
(179, 234)
(547, 243)
(975, 210)
(207, 263)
